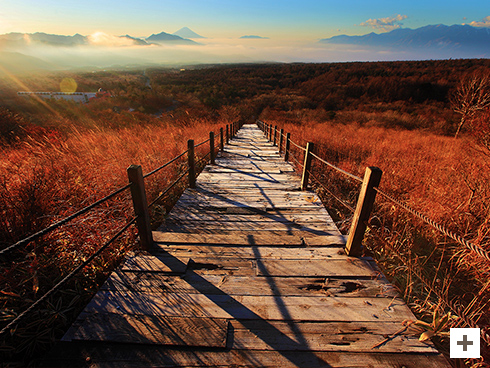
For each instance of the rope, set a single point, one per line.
(67, 278)
(427, 284)
(473, 247)
(337, 168)
(62, 222)
(298, 146)
(295, 159)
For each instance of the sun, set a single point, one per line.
(68, 85)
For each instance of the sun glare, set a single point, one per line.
(68, 85)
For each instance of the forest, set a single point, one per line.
(403, 117)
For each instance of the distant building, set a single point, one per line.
(83, 97)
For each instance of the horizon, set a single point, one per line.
(284, 31)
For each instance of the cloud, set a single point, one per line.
(385, 24)
(103, 39)
(484, 23)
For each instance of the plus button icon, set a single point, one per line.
(465, 342)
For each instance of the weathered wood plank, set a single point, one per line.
(150, 263)
(251, 238)
(198, 226)
(246, 285)
(313, 308)
(139, 329)
(325, 336)
(251, 252)
(315, 267)
(113, 355)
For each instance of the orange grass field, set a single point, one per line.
(58, 157)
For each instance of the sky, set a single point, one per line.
(282, 20)
(290, 29)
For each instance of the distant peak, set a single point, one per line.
(186, 32)
(255, 37)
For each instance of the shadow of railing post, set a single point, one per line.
(372, 178)
(140, 204)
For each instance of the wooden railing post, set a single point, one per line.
(140, 204)
(275, 136)
(372, 177)
(288, 144)
(227, 133)
(221, 143)
(270, 132)
(192, 163)
(211, 148)
(306, 166)
(281, 140)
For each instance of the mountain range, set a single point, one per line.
(16, 39)
(441, 37)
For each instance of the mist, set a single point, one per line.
(106, 51)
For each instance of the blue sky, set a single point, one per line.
(285, 19)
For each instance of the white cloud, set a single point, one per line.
(385, 24)
(103, 39)
(484, 23)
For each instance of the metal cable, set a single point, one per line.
(63, 221)
(337, 168)
(473, 247)
(165, 165)
(168, 188)
(346, 205)
(67, 278)
(200, 144)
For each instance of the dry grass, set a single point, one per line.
(50, 175)
(442, 177)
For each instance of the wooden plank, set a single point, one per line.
(325, 336)
(198, 226)
(150, 263)
(247, 215)
(139, 329)
(253, 238)
(113, 355)
(313, 308)
(246, 285)
(251, 252)
(315, 267)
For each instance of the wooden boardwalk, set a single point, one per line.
(247, 271)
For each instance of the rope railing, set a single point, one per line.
(141, 219)
(369, 189)
(60, 223)
(460, 240)
(161, 195)
(343, 203)
(298, 146)
(165, 165)
(352, 176)
(473, 247)
(68, 277)
(200, 144)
